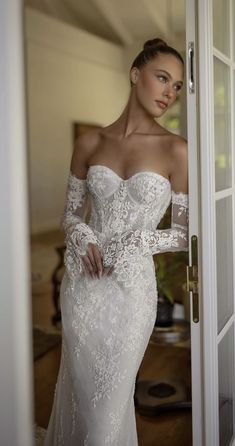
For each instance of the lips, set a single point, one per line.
(161, 104)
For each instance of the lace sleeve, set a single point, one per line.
(174, 238)
(77, 233)
(147, 242)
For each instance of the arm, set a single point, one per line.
(146, 242)
(175, 238)
(78, 234)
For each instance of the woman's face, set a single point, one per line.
(157, 83)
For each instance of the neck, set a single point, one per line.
(134, 119)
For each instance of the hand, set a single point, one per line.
(93, 264)
(92, 261)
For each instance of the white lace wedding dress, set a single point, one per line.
(107, 322)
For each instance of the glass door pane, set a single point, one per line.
(224, 154)
(224, 254)
(222, 118)
(221, 26)
(226, 385)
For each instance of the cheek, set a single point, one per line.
(150, 85)
(174, 96)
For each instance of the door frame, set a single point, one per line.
(207, 212)
(208, 218)
(194, 222)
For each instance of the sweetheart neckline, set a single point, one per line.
(132, 176)
(135, 174)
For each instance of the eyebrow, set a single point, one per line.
(166, 72)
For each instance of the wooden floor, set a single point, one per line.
(159, 362)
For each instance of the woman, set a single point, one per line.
(131, 170)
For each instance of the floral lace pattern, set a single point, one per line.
(78, 234)
(107, 322)
(116, 423)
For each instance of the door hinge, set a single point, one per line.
(192, 278)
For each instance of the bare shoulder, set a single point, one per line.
(179, 148)
(175, 146)
(179, 164)
(84, 146)
(86, 143)
(177, 152)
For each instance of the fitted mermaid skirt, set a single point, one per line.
(106, 328)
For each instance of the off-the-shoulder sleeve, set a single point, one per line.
(77, 233)
(174, 238)
(123, 247)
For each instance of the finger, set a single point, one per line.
(88, 265)
(93, 263)
(90, 255)
(98, 260)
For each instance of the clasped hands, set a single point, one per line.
(93, 262)
(101, 261)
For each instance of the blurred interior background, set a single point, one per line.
(78, 56)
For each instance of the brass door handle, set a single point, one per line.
(192, 278)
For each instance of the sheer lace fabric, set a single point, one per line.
(78, 234)
(107, 322)
(127, 232)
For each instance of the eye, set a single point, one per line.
(162, 78)
(178, 87)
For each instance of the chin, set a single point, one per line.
(159, 114)
(154, 112)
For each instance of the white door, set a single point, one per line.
(211, 29)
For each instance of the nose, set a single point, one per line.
(169, 92)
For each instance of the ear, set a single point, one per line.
(134, 73)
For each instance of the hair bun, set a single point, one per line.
(154, 43)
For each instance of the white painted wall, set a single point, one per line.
(71, 76)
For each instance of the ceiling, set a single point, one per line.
(124, 22)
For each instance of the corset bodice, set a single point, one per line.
(118, 204)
